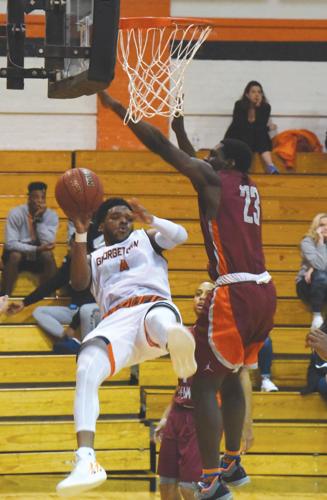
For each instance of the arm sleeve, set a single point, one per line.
(263, 115)
(169, 234)
(315, 255)
(239, 115)
(47, 228)
(12, 235)
(60, 279)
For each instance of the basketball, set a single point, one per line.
(79, 191)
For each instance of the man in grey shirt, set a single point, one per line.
(29, 239)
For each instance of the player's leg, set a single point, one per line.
(187, 491)
(164, 329)
(168, 461)
(104, 352)
(93, 367)
(168, 488)
(209, 425)
(233, 410)
(190, 463)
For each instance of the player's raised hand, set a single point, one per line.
(81, 222)
(140, 213)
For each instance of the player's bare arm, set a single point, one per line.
(198, 171)
(164, 234)
(184, 142)
(80, 272)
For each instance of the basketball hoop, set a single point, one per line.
(155, 52)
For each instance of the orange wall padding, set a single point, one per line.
(269, 30)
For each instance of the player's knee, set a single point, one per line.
(160, 316)
(187, 490)
(93, 362)
(168, 488)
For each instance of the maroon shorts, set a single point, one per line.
(179, 456)
(233, 326)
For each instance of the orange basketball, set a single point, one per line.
(79, 191)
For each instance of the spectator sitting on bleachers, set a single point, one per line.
(316, 376)
(82, 311)
(29, 240)
(265, 358)
(251, 123)
(311, 281)
(317, 340)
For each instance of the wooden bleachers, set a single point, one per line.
(266, 406)
(287, 373)
(36, 391)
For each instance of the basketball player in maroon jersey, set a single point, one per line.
(238, 316)
(179, 465)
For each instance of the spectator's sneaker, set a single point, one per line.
(69, 345)
(212, 491)
(181, 347)
(86, 475)
(233, 473)
(268, 385)
(271, 169)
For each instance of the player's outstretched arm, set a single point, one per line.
(198, 171)
(184, 142)
(80, 272)
(165, 233)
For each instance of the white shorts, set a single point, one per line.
(125, 331)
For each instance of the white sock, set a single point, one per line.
(157, 322)
(317, 320)
(86, 452)
(93, 367)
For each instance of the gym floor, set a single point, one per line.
(42, 487)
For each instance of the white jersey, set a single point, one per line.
(128, 269)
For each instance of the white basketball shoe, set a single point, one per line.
(87, 474)
(181, 347)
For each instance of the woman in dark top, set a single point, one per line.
(250, 123)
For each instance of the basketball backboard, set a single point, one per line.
(87, 28)
(79, 47)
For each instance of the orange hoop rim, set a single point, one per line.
(162, 22)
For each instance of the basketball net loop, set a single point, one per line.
(162, 55)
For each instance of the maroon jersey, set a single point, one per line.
(183, 395)
(233, 239)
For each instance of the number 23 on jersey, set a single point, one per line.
(251, 204)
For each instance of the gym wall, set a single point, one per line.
(294, 86)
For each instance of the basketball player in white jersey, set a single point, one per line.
(129, 280)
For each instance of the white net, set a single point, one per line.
(155, 60)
